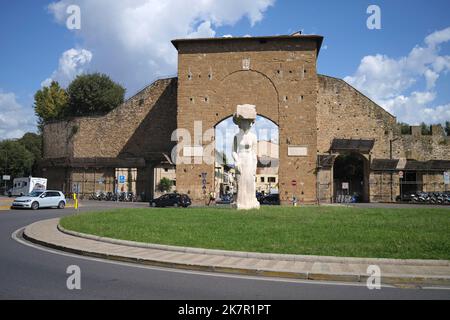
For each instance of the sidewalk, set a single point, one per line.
(393, 272)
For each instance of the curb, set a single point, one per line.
(400, 280)
(395, 280)
(254, 255)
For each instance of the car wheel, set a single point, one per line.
(175, 205)
(61, 205)
(153, 204)
(35, 205)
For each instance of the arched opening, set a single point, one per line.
(268, 157)
(350, 177)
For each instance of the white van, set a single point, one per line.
(24, 186)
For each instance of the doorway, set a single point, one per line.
(350, 177)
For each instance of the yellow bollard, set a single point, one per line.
(75, 201)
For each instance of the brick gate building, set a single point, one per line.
(333, 140)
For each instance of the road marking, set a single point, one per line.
(4, 208)
(14, 236)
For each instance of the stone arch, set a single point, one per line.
(230, 115)
(267, 179)
(258, 90)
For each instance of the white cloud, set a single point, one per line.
(438, 37)
(71, 63)
(130, 39)
(204, 30)
(390, 81)
(15, 120)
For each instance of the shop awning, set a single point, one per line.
(411, 165)
(361, 146)
(384, 165)
(432, 165)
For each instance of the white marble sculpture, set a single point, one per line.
(245, 157)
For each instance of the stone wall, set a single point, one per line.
(423, 147)
(384, 186)
(140, 126)
(345, 113)
(58, 139)
(279, 77)
(88, 179)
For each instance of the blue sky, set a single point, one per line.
(130, 41)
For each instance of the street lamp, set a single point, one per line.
(6, 165)
(392, 177)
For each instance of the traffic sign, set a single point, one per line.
(345, 186)
(76, 187)
(401, 174)
(204, 174)
(6, 178)
(121, 179)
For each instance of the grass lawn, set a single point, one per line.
(422, 233)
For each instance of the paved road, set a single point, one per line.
(31, 273)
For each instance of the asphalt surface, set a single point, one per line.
(30, 272)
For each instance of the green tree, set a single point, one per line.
(33, 143)
(15, 158)
(405, 128)
(165, 185)
(447, 127)
(426, 129)
(50, 103)
(92, 94)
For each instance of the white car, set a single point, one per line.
(40, 199)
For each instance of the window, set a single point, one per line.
(272, 179)
(263, 179)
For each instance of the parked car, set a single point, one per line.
(270, 200)
(259, 196)
(40, 199)
(171, 200)
(225, 199)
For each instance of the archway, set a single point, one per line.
(268, 157)
(350, 177)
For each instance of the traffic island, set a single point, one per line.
(396, 272)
